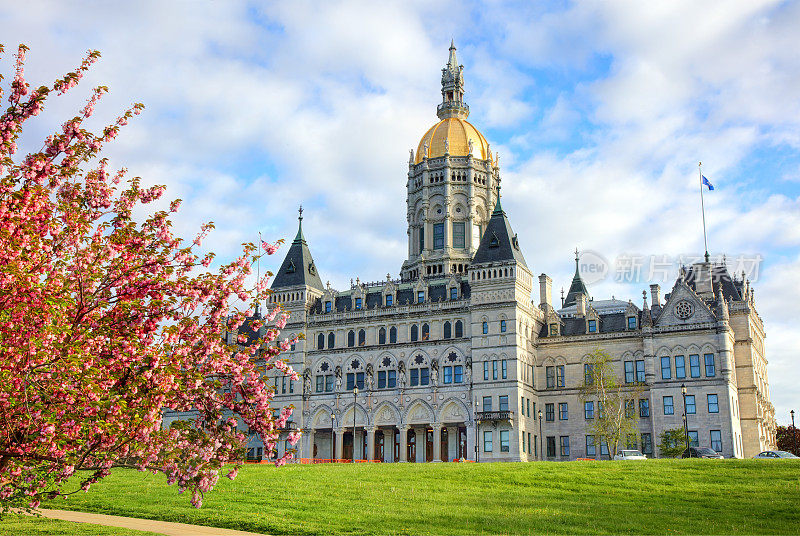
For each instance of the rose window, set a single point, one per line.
(684, 310)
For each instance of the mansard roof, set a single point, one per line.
(298, 267)
(499, 242)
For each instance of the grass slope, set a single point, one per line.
(652, 497)
(19, 525)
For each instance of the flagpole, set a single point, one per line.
(703, 207)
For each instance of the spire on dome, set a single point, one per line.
(453, 104)
(577, 286)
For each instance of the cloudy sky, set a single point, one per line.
(600, 113)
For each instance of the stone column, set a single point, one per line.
(371, 443)
(339, 442)
(403, 443)
(471, 444)
(308, 443)
(437, 442)
(421, 442)
(388, 446)
(453, 443)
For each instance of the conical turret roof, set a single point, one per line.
(298, 267)
(577, 286)
(499, 242)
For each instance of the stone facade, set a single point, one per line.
(454, 360)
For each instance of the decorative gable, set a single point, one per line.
(684, 307)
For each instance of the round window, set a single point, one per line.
(684, 310)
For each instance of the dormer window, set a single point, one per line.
(290, 268)
(631, 322)
(328, 306)
(389, 300)
(591, 326)
(553, 329)
(494, 242)
(420, 296)
(358, 303)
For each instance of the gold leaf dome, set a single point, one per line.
(458, 133)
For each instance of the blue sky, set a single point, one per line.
(600, 113)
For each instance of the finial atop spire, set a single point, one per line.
(300, 237)
(300, 210)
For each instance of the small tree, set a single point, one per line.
(785, 441)
(616, 419)
(105, 322)
(672, 442)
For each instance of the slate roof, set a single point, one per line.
(608, 323)
(403, 296)
(298, 267)
(499, 242)
(577, 287)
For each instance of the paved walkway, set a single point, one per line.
(162, 527)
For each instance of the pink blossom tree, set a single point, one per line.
(106, 322)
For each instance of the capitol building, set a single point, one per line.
(456, 358)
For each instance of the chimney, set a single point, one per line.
(701, 272)
(580, 305)
(655, 294)
(545, 291)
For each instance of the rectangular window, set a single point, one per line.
(680, 367)
(485, 370)
(591, 451)
(691, 408)
(603, 447)
(551, 446)
(328, 306)
(503, 326)
(421, 235)
(560, 375)
(320, 383)
(588, 409)
(358, 303)
(564, 441)
(381, 379)
(438, 236)
(494, 370)
(329, 383)
(588, 374)
(550, 412)
(713, 404)
(391, 379)
(424, 376)
(523, 442)
(351, 381)
(504, 369)
(487, 403)
(694, 439)
(647, 443)
(421, 296)
(669, 409)
(694, 365)
(454, 293)
(528, 403)
(631, 322)
(630, 408)
(447, 377)
(360, 380)
(291, 386)
(476, 236)
(389, 300)
(716, 440)
(458, 374)
(629, 374)
(459, 238)
(710, 369)
(554, 330)
(283, 385)
(666, 368)
(592, 327)
(487, 441)
(644, 407)
(503, 399)
(551, 377)
(640, 370)
(563, 411)
(414, 376)
(504, 441)
(600, 414)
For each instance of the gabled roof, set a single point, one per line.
(577, 286)
(499, 242)
(298, 267)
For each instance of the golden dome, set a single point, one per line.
(458, 133)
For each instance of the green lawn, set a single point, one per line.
(15, 525)
(652, 497)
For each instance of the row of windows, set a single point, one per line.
(712, 403)
(447, 333)
(589, 409)
(485, 327)
(694, 366)
(503, 369)
(459, 236)
(634, 371)
(554, 376)
(502, 403)
(388, 300)
(387, 379)
(591, 326)
(525, 407)
(488, 445)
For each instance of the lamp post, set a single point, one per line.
(333, 437)
(355, 399)
(794, 435)
(541, 445)
(685, 418)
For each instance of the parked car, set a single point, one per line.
(630, 455)
(701, 452)
(775, 455)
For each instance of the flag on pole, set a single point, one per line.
(707, 182)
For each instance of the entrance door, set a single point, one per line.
(347, 450)
(444, 450)
(379, 445)
(396, 452)
(429, 446)
(412, 446)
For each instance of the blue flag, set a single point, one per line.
(707, 182)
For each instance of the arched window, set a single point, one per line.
(393, 335)
(331, 340)
(351, 338)
(414, 333)
(459, 329)
(382, 336)
(448, 328)
(426, 332)
(485, 328)
(362, 337)
(320, 341)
